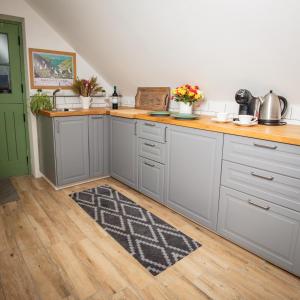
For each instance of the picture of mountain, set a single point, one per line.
(52, 69)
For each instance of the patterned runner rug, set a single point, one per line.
(153, 242)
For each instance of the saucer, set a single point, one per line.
(252, 123)
(221, 121)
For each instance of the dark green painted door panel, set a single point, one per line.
(13, 138)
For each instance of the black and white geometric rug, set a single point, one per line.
(153, 242)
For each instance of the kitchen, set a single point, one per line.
(170, 190)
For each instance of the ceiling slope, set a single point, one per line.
(222, 45)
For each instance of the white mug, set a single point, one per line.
(246, 119)
(222, 116)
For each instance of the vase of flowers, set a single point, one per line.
(86, 89)
(186, 95)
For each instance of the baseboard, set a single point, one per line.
(57, 188)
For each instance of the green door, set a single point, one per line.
(13, 134)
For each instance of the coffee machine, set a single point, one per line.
(249, 105)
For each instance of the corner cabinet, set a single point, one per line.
(124, 151)
(73, 149)
(193, 173)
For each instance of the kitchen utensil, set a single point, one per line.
(185, 116)
(273, 108)
(252, 123)
(246, 119)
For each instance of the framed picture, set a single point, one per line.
(51, 69)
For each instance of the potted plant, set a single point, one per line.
(86, 89)
(40, 101)
(186, 95)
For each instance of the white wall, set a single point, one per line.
(40, 35)
(222, 45)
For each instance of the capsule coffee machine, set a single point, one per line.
(249, 105)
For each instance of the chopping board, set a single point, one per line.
(153, 98)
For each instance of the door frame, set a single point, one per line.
(24, 75)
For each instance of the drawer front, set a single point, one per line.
(275, 157)
(282, 190)
(264, 228)
(152, 150)
(151, 178)
(152, 131)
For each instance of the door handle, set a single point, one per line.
(149, 145)
(265, 146)
(135, 124)
(261, 176)
(57, 127)
(149, 124)
(149, 165)
(258, 205)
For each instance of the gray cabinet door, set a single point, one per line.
(96, 145)
(193, 173)
(72, 149)
(124, 151)
(151, 178)
(262, 227)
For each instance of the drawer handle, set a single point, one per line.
(261, 176)
(149, 145)
(257, 205)
(149, 124)
(265, 146)
(97, 118)
(149, 165)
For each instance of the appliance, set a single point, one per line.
(249, 105)
(272, 109)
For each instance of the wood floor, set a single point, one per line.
(51, 249)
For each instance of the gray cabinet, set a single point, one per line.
(152, 150)
(273, 187)
(71, 148)
(152, 131)
(151, 178)
(193, 173)
(124, 151)
(99, 145)
(262, 227)
(271, 156)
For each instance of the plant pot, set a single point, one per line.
(185, 108)
(85, 102)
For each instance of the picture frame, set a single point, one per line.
(50, 69)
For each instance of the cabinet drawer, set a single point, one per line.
(275, 157)
(151, 178)
(267, 229)
(152, 131)
(152, 150)
(282, 190)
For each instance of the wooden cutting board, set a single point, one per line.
(153, 98)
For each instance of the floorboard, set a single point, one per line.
(51, 249)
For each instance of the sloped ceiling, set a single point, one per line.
(222, 45)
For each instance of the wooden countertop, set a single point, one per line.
(289, 134)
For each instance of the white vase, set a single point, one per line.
(185, 108)
(85, 102)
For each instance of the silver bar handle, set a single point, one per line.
(265, 146)
(149, 124)
(149, 165)
(149, 145)
(263, 177)
(98, 117)
(135, 129)
(258, 205)
(57, 127)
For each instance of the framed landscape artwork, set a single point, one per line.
(51, 69)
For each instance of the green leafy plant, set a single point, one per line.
(86, 88)
(40, 101)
